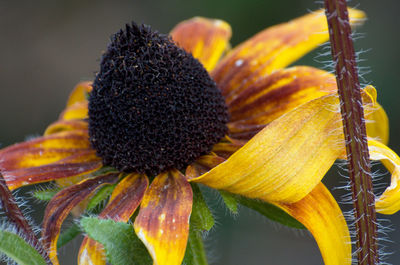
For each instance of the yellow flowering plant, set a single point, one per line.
(166, 113)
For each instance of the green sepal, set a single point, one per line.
(16, 248)
(45, 195)
(99, 197)
(270, 211)
(230, 201)
(195, 253)
(120, 242)
(201, 217)
(69, 234)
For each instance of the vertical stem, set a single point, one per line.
(354, 131)
(15, 216)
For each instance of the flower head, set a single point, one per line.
(243, 123)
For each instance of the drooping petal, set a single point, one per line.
(389, 201)
(62, 204)
(272, 49)
(289, 157)
(321, 215)
(124, 200)
(273, 95)
(206, 39)
(163, 220)
(76, 111)
(79, 93)
(377, 124)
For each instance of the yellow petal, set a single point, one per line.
(206, 39)
(272, 49)
(79, 93)
(66, 125)
(389, 201)
(377, 124)
(288, 158)
(76, 111)
(321, 215)
(124, 200)
(163, 220)
(275, 94)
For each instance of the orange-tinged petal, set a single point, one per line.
(76, 111)
(202, 165)
(44, 150)
(66, 125)
(320, 214)
(124, 200)
(389, 201)
(288, 158)
(163, 220)
(273, 95)
(272, 49)
(206, 39)
(79, 93)
(226, 148)
(62, 204)
(66, 168)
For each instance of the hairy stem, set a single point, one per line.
(16, 217)
(354, 131)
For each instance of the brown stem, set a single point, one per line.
(16, 217)
(354, 131)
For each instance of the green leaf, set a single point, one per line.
(270, 211)
(195, 253)
(120, 242)
(230, 201)
(68, 235)
(16, 248)
(99, 197)
(45, 195)
(201, 217)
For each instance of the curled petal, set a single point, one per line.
(62, 204)
(206, 39)
(66, 125)
(163, 220)
(288, 158)
(274, 95)
(76, 111)
(319, 212)
(124, 200)
(377, 124)
(272, 49)
(389, 201)
(79, 93)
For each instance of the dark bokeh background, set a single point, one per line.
(46, 47)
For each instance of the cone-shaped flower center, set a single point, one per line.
(153, 106)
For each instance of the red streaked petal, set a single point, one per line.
(62, 204)
(124, 200)
(207, 39)
(163, 220)
(272, 49)
(275, 94)
(65, 168)
(79, 93)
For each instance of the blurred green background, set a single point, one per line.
(48, 46)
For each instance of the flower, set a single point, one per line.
(283, 134)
